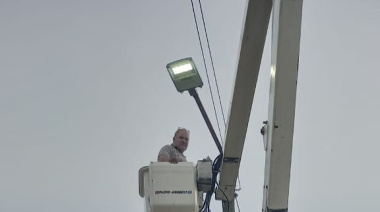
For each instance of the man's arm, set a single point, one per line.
(164, 155)
(165, 158)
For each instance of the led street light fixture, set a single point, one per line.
(184, 74)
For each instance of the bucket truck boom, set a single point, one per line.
(286, 30)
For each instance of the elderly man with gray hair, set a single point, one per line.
(173, 153)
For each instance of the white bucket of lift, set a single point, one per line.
(169, 187)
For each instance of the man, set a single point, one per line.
(173, 153)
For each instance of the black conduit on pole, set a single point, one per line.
(194, 94)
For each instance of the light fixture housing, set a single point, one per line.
(184, 74)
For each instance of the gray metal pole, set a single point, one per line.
(228, 206)
(194, 94)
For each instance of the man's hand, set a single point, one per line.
(173, 160)
(165, 158)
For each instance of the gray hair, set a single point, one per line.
(181, 128)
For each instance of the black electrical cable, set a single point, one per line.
(218, 160)
(212, 63)
(204, 63)
(216, 81)
(224, 194)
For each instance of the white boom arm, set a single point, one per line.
(287, 16)
(251, 50)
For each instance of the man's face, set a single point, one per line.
(181, 140)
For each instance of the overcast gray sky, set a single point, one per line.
(86, 101)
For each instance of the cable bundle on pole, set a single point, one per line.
(215, 171)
